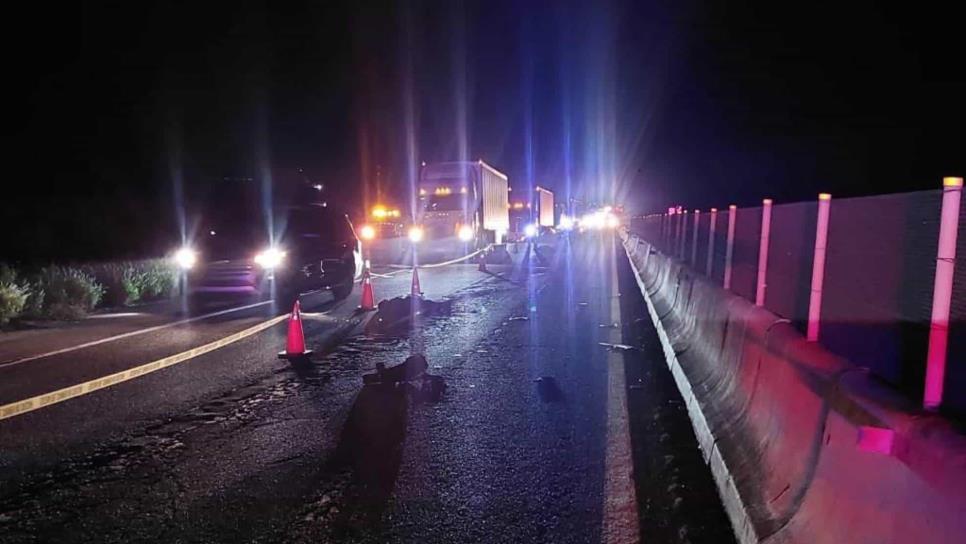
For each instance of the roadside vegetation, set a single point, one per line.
(71, 292)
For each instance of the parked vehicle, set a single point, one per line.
(315, 249)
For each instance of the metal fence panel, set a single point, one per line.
(790, 253)
(744, 263)
(878, 283)
(955, 385)
(879, 275)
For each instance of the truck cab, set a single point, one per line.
(463, 202)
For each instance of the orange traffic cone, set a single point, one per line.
(416, 290)
(368, 297)
(295, 343)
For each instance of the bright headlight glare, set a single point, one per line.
(530, 230)
(465, 233)
(270, 258)
(186, 257)
(612, 221)
(566, 223)
(367, 232)
(594, 220)
(415, 234)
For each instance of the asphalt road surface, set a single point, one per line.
(559, 422)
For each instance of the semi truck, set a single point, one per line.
(533, 216)
(544, 201)
(463, 201)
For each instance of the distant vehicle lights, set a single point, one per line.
(601, 219)
(381, 212)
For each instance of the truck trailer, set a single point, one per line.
(544, 201)
(463, 201)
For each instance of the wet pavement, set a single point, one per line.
(513, 448)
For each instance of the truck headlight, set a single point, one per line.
(367, 232)
(185, 258)
(530, 230)
(270, 258)
(465, 233)
(415, 234)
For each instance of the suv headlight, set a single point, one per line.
(185, 258)
(270, 258)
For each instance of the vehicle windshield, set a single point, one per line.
(318, 222)
(446, 203)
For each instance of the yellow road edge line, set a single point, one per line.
(40, 401)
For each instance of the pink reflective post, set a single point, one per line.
(730, 248)
(713, 218)
(683, 241)
(818, 267)
(694, 239)
(942, 293)
(664, 221)
(763, 252)
(673, 249)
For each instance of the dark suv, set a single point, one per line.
(315, 249)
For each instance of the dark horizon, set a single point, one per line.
(639, 103)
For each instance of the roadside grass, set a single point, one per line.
(65, 293)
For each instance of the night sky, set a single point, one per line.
(647, 104)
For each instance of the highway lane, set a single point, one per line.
(237, 446)
(174, 389)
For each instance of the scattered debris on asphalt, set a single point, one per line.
(548, 389)
(616, 347)
(609, 326)
(412, 368)
(410, 376)
(396, 315)
(519, 318)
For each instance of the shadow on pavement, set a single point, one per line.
(371, 446)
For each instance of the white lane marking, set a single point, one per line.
(115, 315)
(620, 524)
(34, 403)
(129, 334)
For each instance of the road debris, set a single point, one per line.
(548, 390)
(616, 347)
(396, 315)
(410, 376)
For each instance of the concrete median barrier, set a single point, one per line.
(805, 447)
